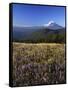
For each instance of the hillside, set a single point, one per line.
(39, 35)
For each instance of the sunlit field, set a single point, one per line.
(38, 64)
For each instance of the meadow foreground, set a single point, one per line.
(38, 64)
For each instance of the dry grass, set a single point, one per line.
(37, 64)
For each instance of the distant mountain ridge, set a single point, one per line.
(51, 32)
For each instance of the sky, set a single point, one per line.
(33, 15)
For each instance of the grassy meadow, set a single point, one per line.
(38, 64)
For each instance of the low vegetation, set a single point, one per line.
(38, 64)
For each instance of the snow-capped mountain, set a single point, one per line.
(52, 25)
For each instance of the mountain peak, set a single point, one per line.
(53, 25)
(50, 23)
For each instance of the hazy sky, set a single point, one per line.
(30, 15)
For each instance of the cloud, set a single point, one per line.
(50, 22)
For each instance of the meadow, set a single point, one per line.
(38, 64)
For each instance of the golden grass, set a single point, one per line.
(35, 64)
